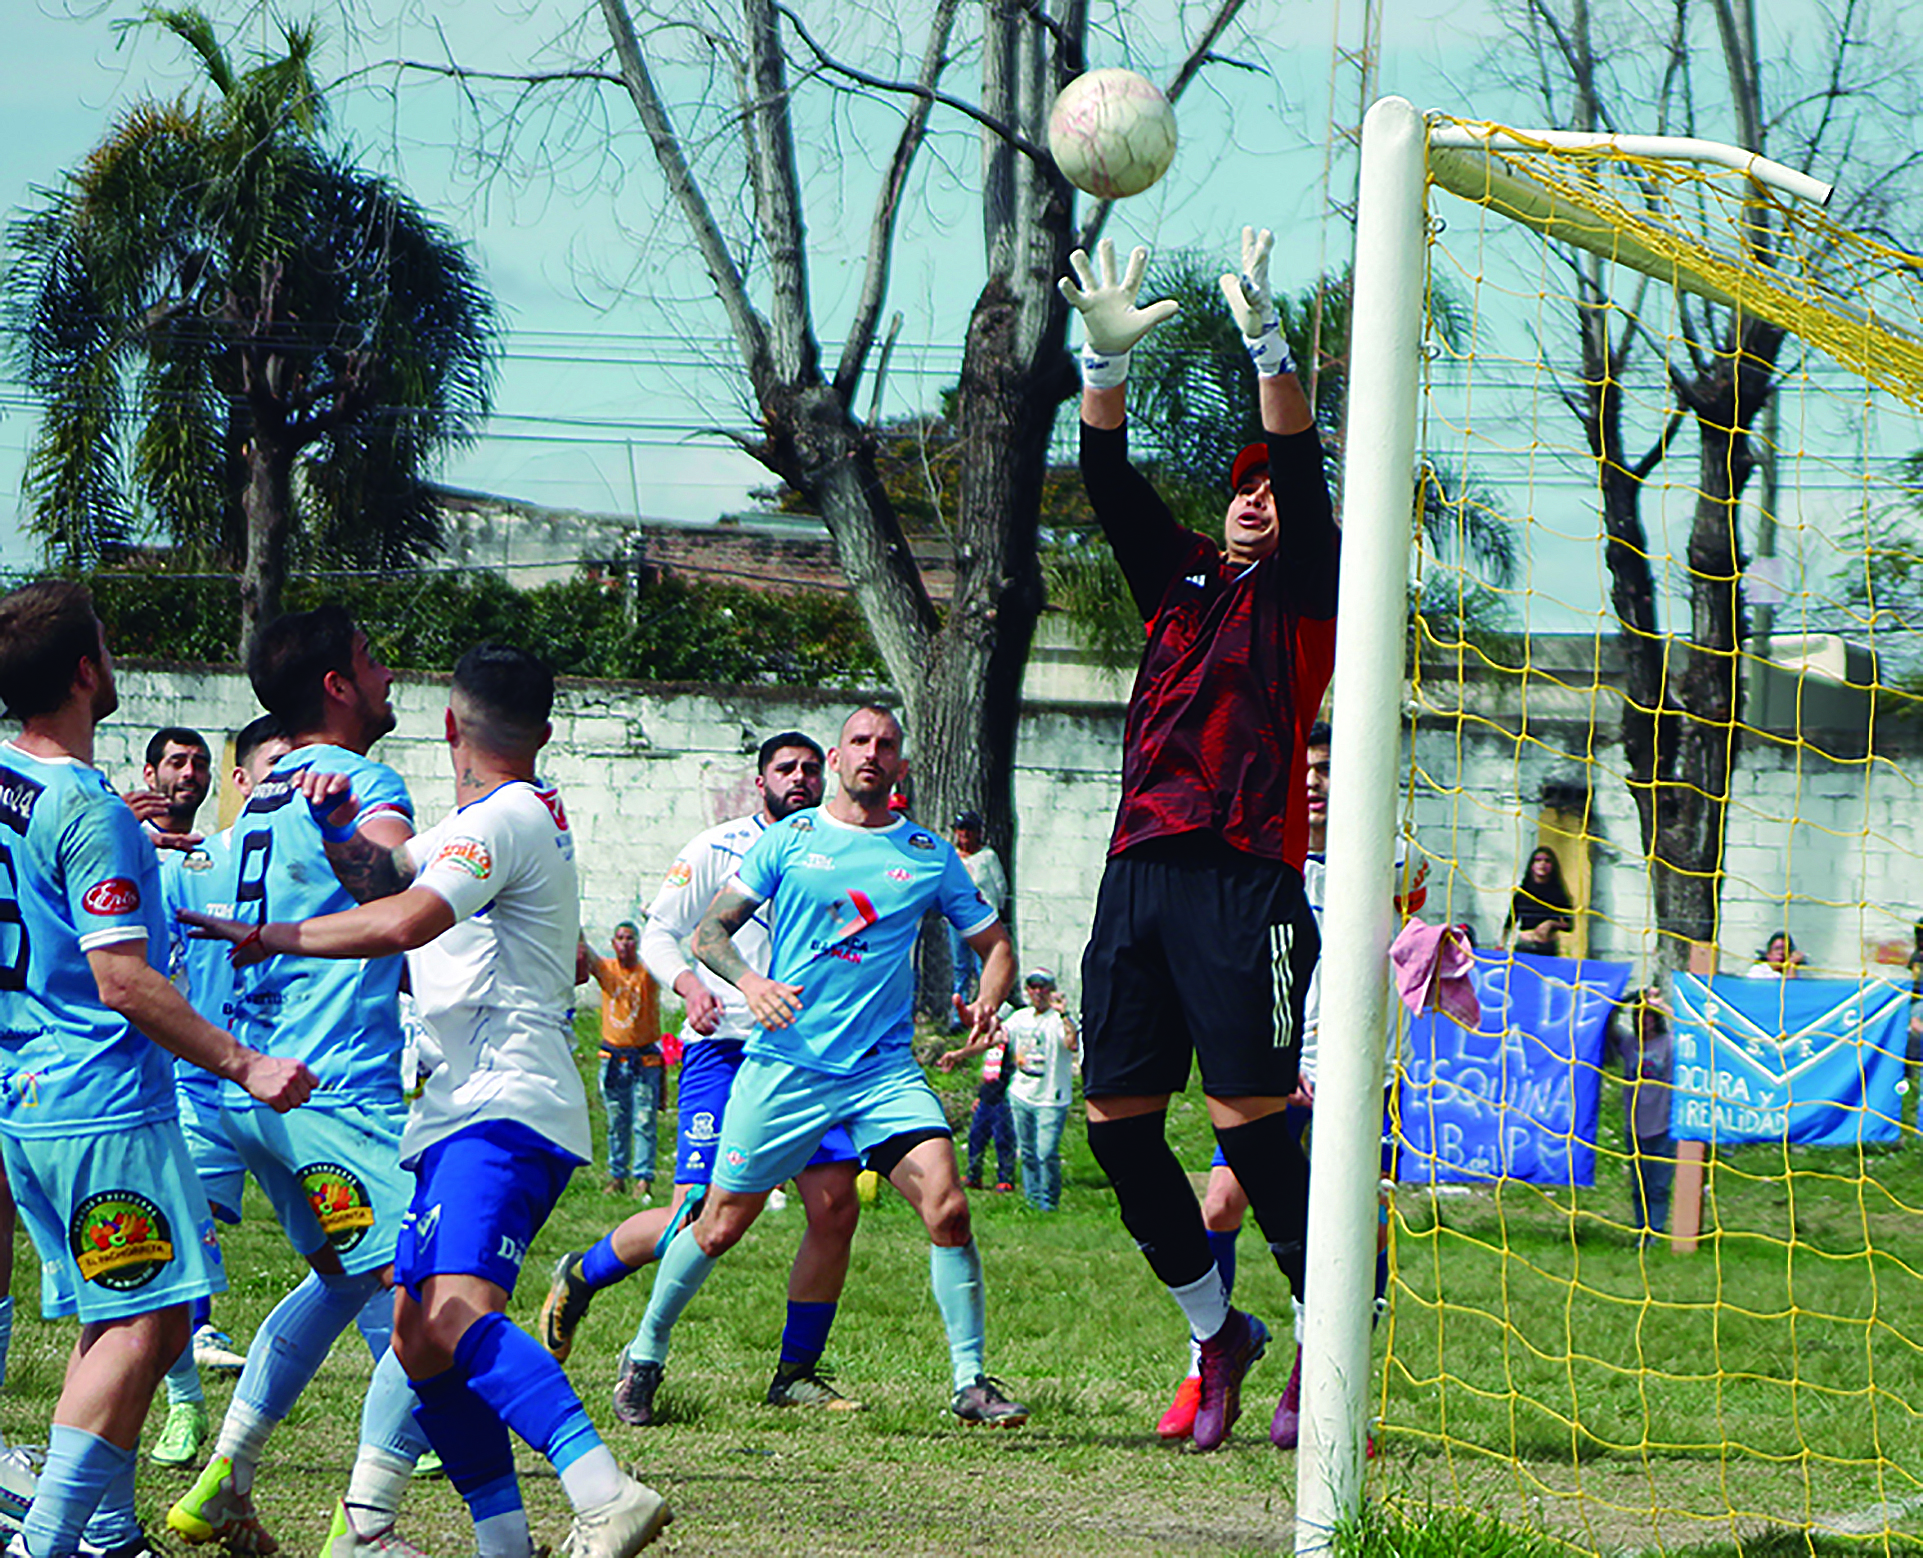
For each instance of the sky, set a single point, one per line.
(617, 365)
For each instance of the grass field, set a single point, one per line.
(1079, 1332)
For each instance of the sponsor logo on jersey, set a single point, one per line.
(814, 860)
(695, 1161)
(736, 1157)
(864, 915)
(801, 824)
(17, 795)
(120, 1240)
(899, 874)
(679, 875)
(197, 860)
(921, 841)
(339, 1199)
(116, 895)
(465, 854)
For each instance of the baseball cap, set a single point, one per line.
(1252, 457)
(1039, 976)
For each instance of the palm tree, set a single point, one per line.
(242, 338)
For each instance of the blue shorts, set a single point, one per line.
(118, 1219)
(480, 1197)
(222, 1174)
(778, 1115)
(708, 1070)
(334, 1176)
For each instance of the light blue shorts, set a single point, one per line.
(778, 1114)
(708, 1070)
(333, 1175)
(222, 1174)
(119, 1221)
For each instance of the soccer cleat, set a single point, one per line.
(634, 1390)
(1286, 1428)
(346, 1537)
(214, 1510)
(1178, 1422)
(428, 1466)
(181, 1435)
(19, 1477)
(804, 1385)
(565, 1306)
(621, 1527)
(1226, 1357)
(214, 1352)
(983, 1402)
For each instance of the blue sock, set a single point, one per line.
(1222, 1247)
(199, 1313)
(183, 1379)
(79, 1468)
(805, 1337)
(471, 1441)
(294, 1340)
(683, 1269)
(376, 1322)
(524, 1387)
(956, 1277)
(602, 1268)
(6, 1333)
(113, 1520)
(387, 1413)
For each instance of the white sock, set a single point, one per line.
(1204, 1304)
(378, 1481)
(505, 1535)
(592, 1479)
(1299, 1322)
(1195, 1358)
(243, 1439)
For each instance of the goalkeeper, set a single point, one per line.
(1203, 941)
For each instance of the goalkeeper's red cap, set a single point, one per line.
(1253, 457)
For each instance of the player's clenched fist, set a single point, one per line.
(276, 1082)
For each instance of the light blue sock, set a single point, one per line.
(956, 1277)
(291, 1345)
(114, 1521)
(79, 1468)
(6, 1333)
(376, 1322)
(387, 1413)
(683, 1269)
(183, 1380)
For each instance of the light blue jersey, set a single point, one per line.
(848, 903)
(201, 879)
(338, 1014)
(76, 874)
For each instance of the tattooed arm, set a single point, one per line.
(774, 1005)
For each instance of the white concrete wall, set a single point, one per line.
(644, 767)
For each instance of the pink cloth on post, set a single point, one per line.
(1432, 966)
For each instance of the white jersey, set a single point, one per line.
(495, 994)
(700, 871)
(1315, 870)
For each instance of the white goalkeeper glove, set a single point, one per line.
(1111, 323)
(1253, 306)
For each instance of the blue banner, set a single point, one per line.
(1517, 1098)
(1813, 1062)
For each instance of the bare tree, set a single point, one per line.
(1698, 68)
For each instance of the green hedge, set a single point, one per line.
(423, 622)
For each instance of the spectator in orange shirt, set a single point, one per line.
(631, 1068)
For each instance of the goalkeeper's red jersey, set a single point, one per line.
(1237, 660)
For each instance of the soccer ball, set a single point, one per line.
(1112, 133)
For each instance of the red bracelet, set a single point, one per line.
(250, 938)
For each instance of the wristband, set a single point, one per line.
(1103, 370)
(333, 835)
(1270, 353)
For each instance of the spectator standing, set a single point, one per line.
(1541, 909)
(631, 1063)
(991, 881)
(1040, 1063)
(1648, 1057)
(991, 1119)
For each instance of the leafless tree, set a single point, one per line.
(1825, 99)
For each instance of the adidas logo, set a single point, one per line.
(1197, 579)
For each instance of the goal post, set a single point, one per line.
(1628, 200)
